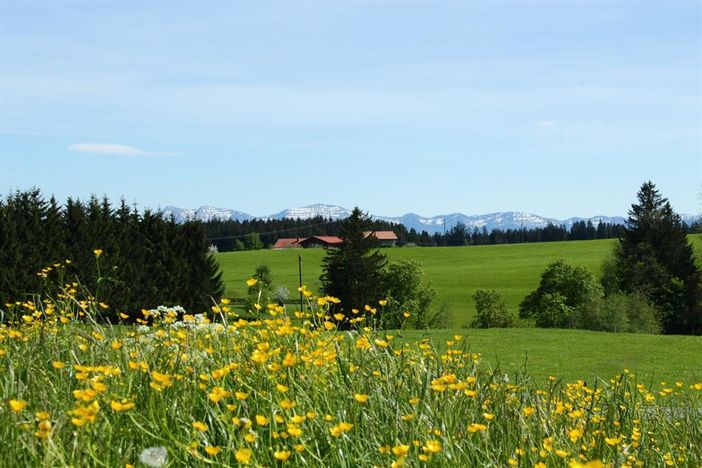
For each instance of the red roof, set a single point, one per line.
(382, 235)
(289, 243)
(328, 239)
(297, 242)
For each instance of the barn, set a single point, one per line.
(385, 239)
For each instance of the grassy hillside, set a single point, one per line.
(577, 354)
(456, 272)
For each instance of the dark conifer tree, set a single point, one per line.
(353, 271)
(655, 258)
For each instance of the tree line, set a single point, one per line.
(460, 234)
(256, 234)
(127, 258)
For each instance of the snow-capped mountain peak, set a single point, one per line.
(311, 211)
(500, 220)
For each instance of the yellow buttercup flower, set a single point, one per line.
(340, 428)
(476, 427)
(212, 450)
(360, 397)
(282, 455)
(243, 455)
(17, 405)
(218, 393)
(200, 426)
(124, 405)
(97, 253)
(432, 446)
(261, 420)
(400, 450)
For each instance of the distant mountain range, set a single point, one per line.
(502, 220)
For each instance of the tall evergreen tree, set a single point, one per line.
(655, 258)
(353, 272)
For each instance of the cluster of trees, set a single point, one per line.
(358, 273)
(650, 284)
(145, 260)
(460, 235)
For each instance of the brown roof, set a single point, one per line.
(297, 242)
(327, 239)
(289, 243)
(382, 235)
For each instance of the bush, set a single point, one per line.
(263, 275)
(491, 310)
(629, 313)
(562, 289)
(553, 311)
(409, 298)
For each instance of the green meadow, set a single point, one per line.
(456, 272)
(576, 354)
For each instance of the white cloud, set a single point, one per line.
(120, 150)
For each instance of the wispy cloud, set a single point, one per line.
(114, 149)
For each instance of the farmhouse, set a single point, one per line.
(385, 239)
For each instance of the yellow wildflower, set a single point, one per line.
(18, 405)
(360, 397)
(200, 426)
(243, 455)
(124, 405)
(213, 451)
(400, 450)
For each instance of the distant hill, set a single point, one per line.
(490, 221)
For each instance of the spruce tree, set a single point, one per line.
(655, 258)
(353, 271)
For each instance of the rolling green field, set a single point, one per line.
(455, 272)
(577, 354)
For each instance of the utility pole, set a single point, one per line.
(299, 268)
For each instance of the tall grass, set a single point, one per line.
(291, 388)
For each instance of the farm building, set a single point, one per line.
(385, 239)
(306, 242)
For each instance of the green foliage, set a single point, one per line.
(145, 260)
(263, 275)
(562, 288)
(618, 312)
(654, 258)
(491, 310)
(261, 292)
(253, 242)
(409, 298)
(353, 271)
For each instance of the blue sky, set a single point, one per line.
(560, 108)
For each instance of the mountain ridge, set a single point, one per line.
(432, 224)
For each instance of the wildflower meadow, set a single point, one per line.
(290, 387)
